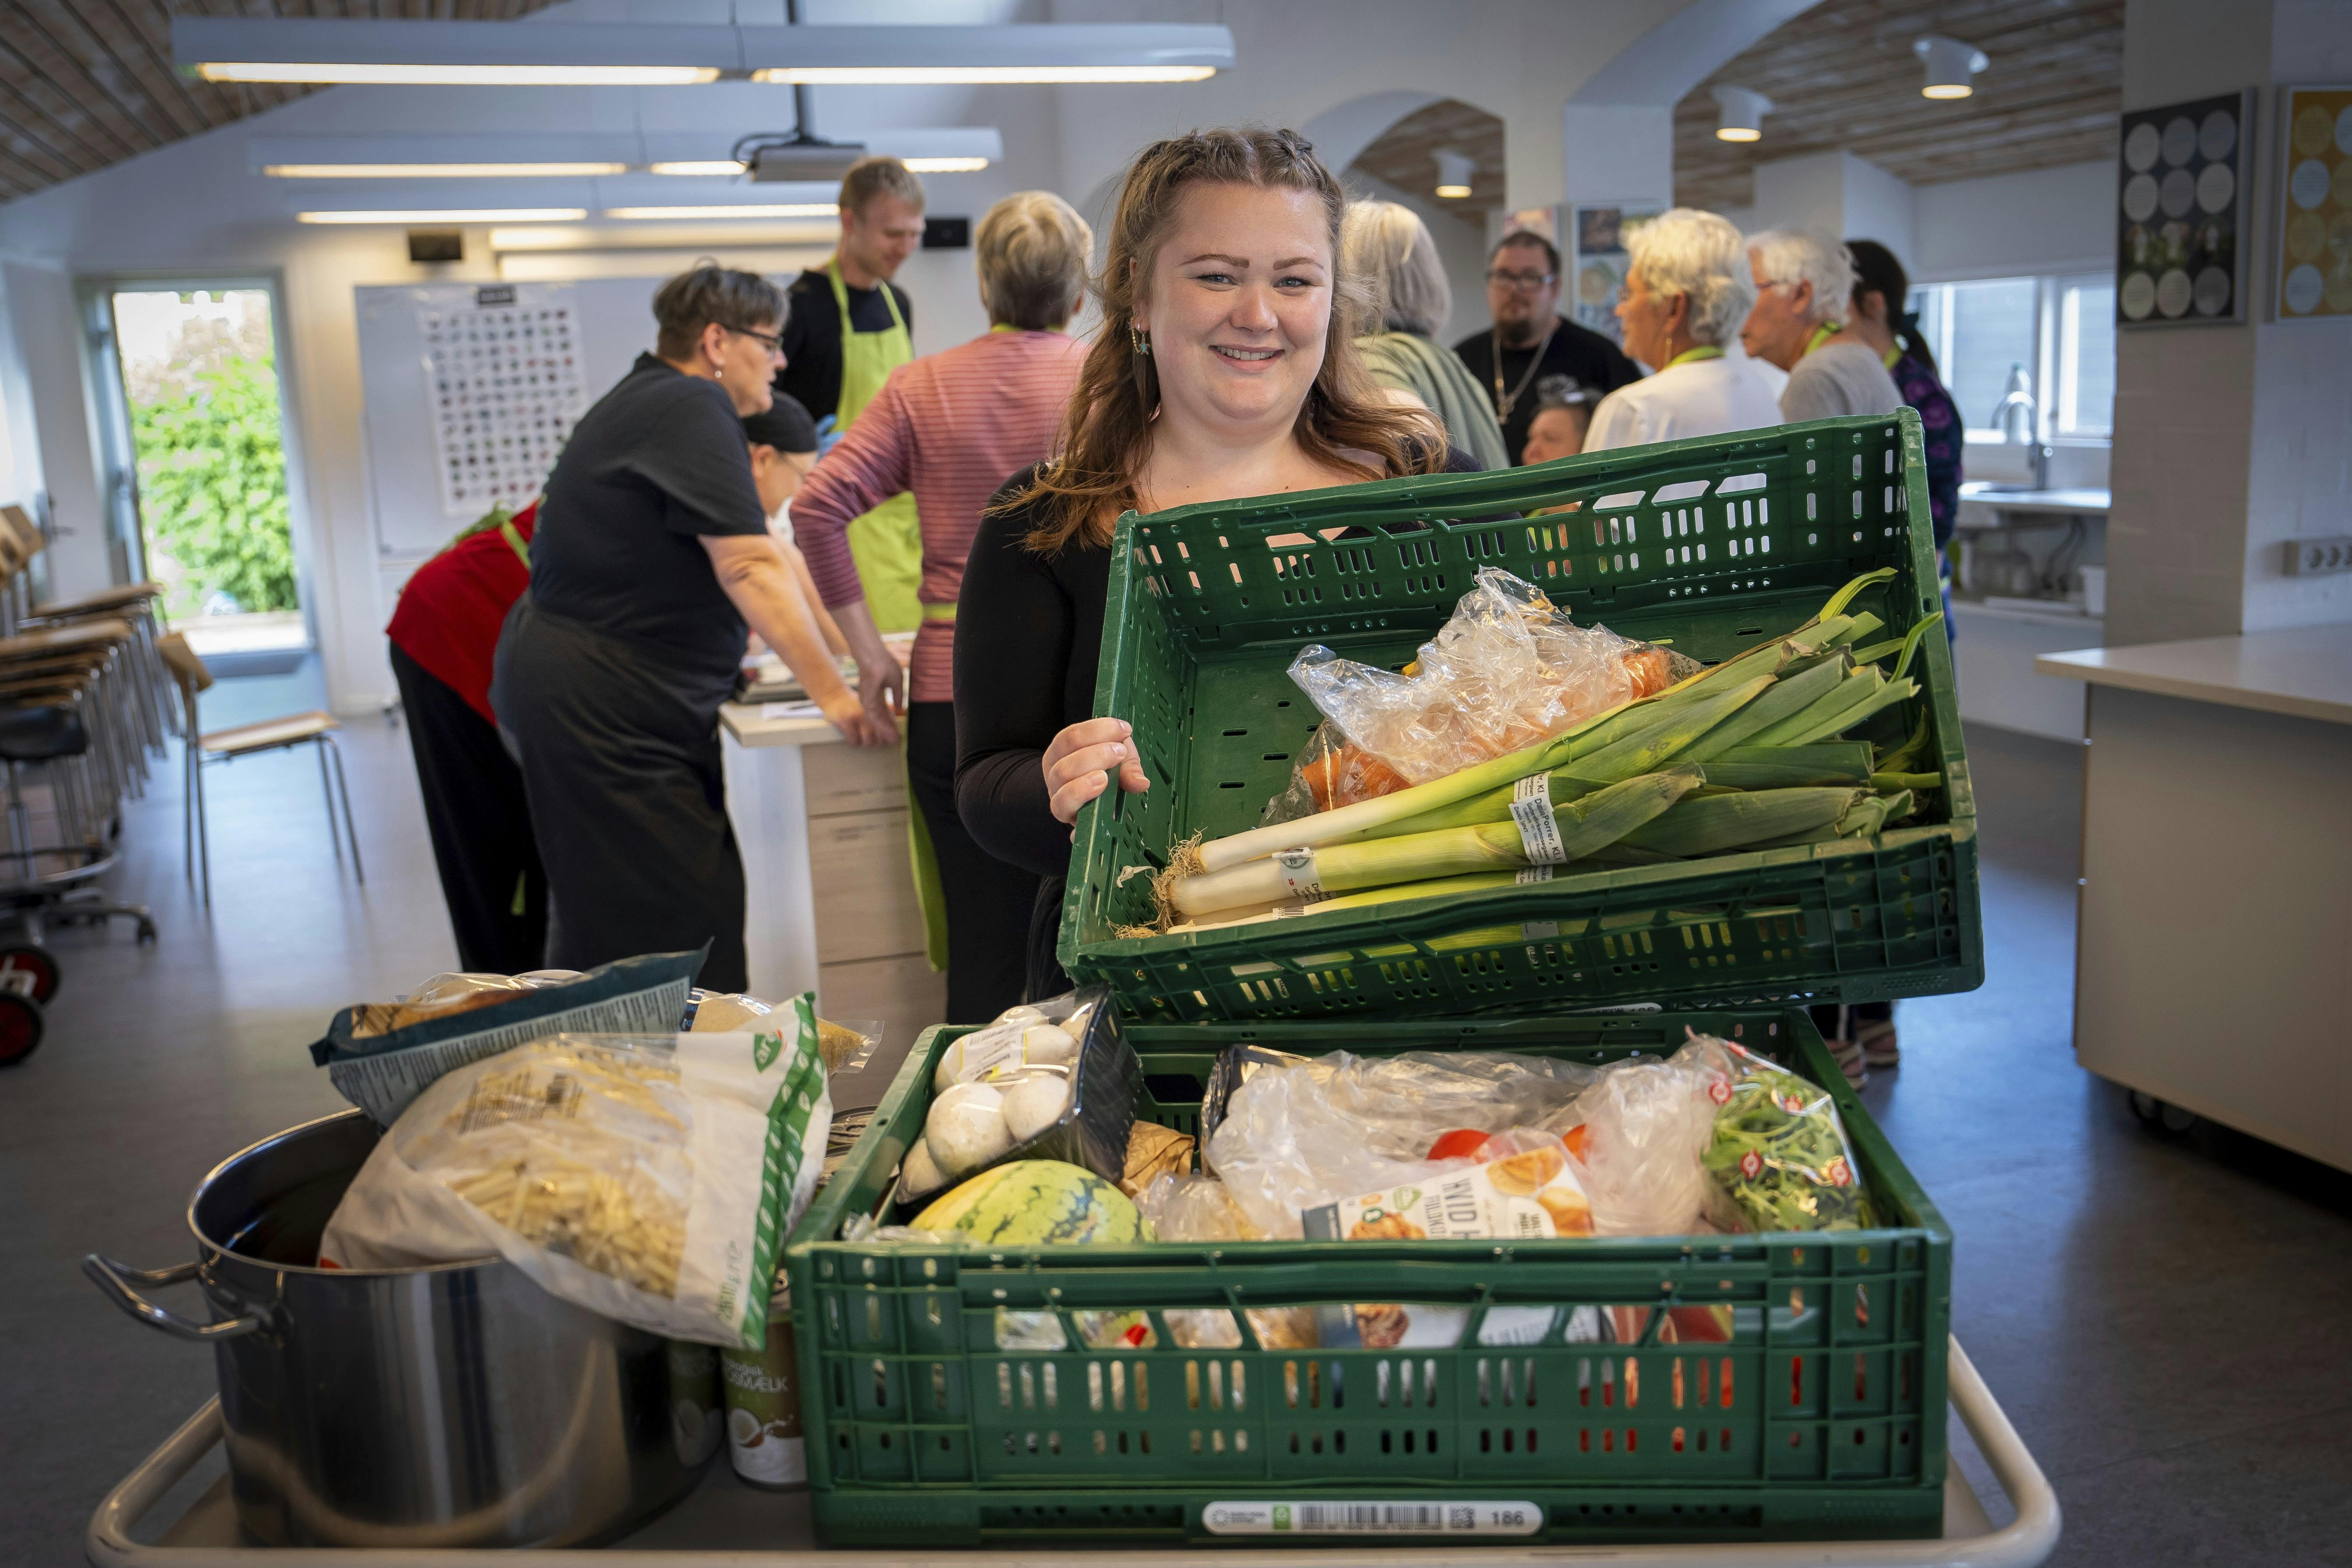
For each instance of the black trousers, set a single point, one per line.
(480, 823)
(988, 901)
(621, 761)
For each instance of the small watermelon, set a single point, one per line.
(1031, 1202)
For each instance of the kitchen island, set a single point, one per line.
(830, 888)
(2214, 959)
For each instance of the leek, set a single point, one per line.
(1849, 694)
(1886, 696)
(1718, 822)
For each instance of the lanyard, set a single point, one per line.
(1823, 334)
(1506, 400)
(1693, 355)
(515, 542)
(1890, 356)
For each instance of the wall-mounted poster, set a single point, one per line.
(2315, 276)
(2180, 257)
(1596, 260)
(504, 377)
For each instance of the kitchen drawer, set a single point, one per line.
(904, 993)
(863, 887)
(840, 777)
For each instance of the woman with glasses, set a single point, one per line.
(651, 556)
(1530, 340)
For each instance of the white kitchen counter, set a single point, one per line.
(829, 887)
(2305, 672)
(2077, 500)
(2213, 965)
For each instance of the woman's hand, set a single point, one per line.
(848, 715)
(1079, 763)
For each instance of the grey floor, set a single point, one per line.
(2164, 1319)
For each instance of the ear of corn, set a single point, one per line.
(1718, 823)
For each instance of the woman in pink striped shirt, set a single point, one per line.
(950, 428)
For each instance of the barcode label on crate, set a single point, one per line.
(1371, 1519)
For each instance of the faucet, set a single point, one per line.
(2019, 399)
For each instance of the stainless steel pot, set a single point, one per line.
(429, 1408)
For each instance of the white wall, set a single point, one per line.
(1346, 67)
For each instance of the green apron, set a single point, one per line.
(886, 545)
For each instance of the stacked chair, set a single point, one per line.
(83, 702)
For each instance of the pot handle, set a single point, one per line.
(115, 1280)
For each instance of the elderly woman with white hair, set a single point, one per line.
(1686, 289)
(1804, 285)
(1388, 248)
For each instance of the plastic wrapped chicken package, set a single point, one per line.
(1508, 669)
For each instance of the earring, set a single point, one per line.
(1139, 340)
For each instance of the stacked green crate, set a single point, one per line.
(1821, 1417)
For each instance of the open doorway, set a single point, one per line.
(203, 436)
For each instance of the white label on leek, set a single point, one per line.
(1297, 870)
(1539, 830)
(1532, 874)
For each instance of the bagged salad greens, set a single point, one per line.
(1779, 1158)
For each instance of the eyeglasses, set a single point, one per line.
(1520, 280)
(774, 342)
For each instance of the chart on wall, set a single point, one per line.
(1596, 263)
(2316, 247)
(504, 379)
(2179, 256)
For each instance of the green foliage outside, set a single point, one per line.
(212, 483)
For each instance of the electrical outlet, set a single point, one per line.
(2318, 557)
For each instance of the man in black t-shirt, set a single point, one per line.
(881, 225)
(1530, 340)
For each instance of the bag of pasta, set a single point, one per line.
(649, 1178)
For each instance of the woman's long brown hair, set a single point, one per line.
(1106, 432)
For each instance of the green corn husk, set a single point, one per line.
(1784, 767)
(1849, 694)
(1790, 694)
(1584, 825)
(1886, 696)
(1720, 823)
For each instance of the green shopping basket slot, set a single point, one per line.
(1706, 546)
(1585, 1393)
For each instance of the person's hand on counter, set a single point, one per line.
(752, 572)
(881, 679)
(1080, 763)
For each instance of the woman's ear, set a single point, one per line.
(712, 344)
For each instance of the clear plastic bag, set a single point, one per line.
(648, 1178)
(1300, 1136)
(1199, 1208)
(1639, 1131)
(1778, 1156)
(1508, 669)
(847, 1046)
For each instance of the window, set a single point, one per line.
(2053, 339)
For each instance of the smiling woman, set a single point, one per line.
(1227, 367)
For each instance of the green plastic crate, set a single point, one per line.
(1709, 545)
(921, 1432)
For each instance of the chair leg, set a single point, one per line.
(203, 834)
(188, 809)
(327, 788)
(351, 827)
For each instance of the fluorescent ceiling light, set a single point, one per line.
(697, 166)
(234, 49)
(945, 166)
(432, 171)
(428, 215)
(937, 76)
(640, 236)
(355, 73)
(1952, 66)
(739, 210)
(1739, 113)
